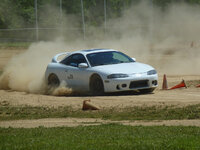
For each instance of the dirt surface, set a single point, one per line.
(178, 97)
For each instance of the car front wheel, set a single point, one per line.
(53, 81)
(96, 85)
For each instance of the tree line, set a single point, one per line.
(21, 13)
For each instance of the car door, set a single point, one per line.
(77, 78)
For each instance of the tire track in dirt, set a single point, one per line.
(74, 122)
(179, 97)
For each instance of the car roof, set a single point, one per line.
(89, 51)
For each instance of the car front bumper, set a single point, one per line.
(131, 83)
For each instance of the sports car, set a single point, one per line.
(100, 71)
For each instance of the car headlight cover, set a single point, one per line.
(120, 75)
(151, 72)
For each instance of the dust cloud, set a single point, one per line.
(25, 72)
(62, 90)
(169, 40)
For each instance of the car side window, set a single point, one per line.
(74, 60)
(120, 57)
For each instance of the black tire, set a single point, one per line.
(53, 81)
(96, 85)
(146, 91)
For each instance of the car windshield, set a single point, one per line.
(107, 58)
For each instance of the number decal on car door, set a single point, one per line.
(70, 77)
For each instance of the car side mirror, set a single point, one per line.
(134, 59)
(83, 65)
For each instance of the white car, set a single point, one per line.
(99, 71)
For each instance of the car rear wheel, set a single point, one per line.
(53, 81)
(96, 85)
(146, 91)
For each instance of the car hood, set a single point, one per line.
(125, 68)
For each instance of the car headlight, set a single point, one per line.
(151, 72)
(120, 75)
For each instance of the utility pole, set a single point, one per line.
(61, 16)
(61, 9)
(152, 22)
(83, 19)
(36, 21)
(105, 17)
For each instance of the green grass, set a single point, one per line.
(103, 137)
(15, 44)
(131, 113)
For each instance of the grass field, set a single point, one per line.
(102, 137)
(130, 113)
(108, 137)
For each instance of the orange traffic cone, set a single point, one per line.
(164, 86)
(88, 106)
(180, 85)
(198, 86)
